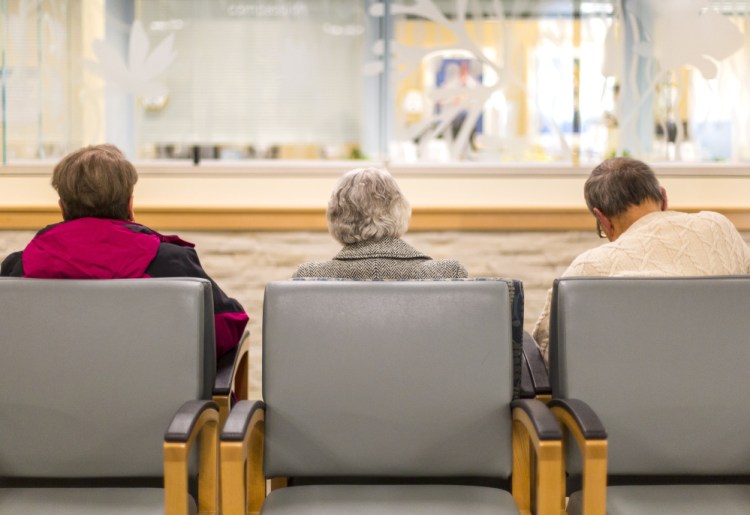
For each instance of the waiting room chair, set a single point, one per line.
(91, 375)
(389, 397)
(661, 364)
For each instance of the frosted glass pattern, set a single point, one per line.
(521, 80)
(424, 81)
(141, 75)
(35, 80)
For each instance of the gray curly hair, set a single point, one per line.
(367, 204)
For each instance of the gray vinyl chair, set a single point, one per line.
(91, 375)
(661, 364)
(389, 397)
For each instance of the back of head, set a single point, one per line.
(619, 183)
(95, 181)
(367, 204)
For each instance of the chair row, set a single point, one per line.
(378, 397)
(93, 371)
(392, 397)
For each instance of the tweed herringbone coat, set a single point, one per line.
(382, 259)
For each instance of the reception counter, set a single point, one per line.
(291, 195)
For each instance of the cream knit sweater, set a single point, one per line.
(663, 243)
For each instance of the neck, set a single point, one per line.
(623, 221)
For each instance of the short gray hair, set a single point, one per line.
(367, 204)
(619, 183)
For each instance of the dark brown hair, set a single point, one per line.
(619, 183)
(95, 181)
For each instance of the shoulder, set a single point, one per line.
(691, 221)
(175, 261)
(384, 269)
(725, 234)
(706, 225)
(724, 225)
(12, 265)
(176, 252)
(715, 218)
(445, 268)
(404, 269)
(596, 261)
(316, 269)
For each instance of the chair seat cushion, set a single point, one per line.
(389, 499)
(70, 501)
(672, 500)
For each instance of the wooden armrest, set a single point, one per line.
(538, 376)
(584, 419)
(243, 485)
(526, 390)
(194, 420)
(534, 427)
(232, 376)
(581, 421)
(543, 424)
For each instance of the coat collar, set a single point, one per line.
(392, 248)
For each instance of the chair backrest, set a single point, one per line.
(387, 379)
(93, 371)
(664, 363)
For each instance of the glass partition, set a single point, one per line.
(410, 81)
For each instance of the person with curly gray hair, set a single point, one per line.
(368, 214)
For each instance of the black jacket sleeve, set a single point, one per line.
(12, 265)
(230, 318)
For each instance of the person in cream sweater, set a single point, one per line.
(646, 239)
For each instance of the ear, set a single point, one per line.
(131, 214)
(664, 202)
(605, 223)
